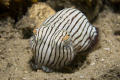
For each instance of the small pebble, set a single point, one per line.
(81, 76)
(118, 17)
(9, 49)
(61, 75)
(92, 64)
(2, 57)
(102, 59)
(24, 78)
(25, 72)
(107, 49)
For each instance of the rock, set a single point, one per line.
(35, 16)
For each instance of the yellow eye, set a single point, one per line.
(65, 38)
(35, 31)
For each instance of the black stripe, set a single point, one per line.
(46, 44)
(79, 28)
(59, 15)
(65, 24)
(72, 20)
(90, 34)
(76, 23)
(66, 57)
(53, 16)
(55, 49)
(48, 19)
(52, 48)
(88, 39)
(37, 54)
(66, 18)
(85, 35)
(81, 32)
(86, 45)
(63, 55)
(56, 18)
(59, 50)
(82, 39)
(43, 46)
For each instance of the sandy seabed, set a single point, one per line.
(102, 63)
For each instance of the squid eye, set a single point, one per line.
(67, 40)
(34, 34)
(35, 31)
